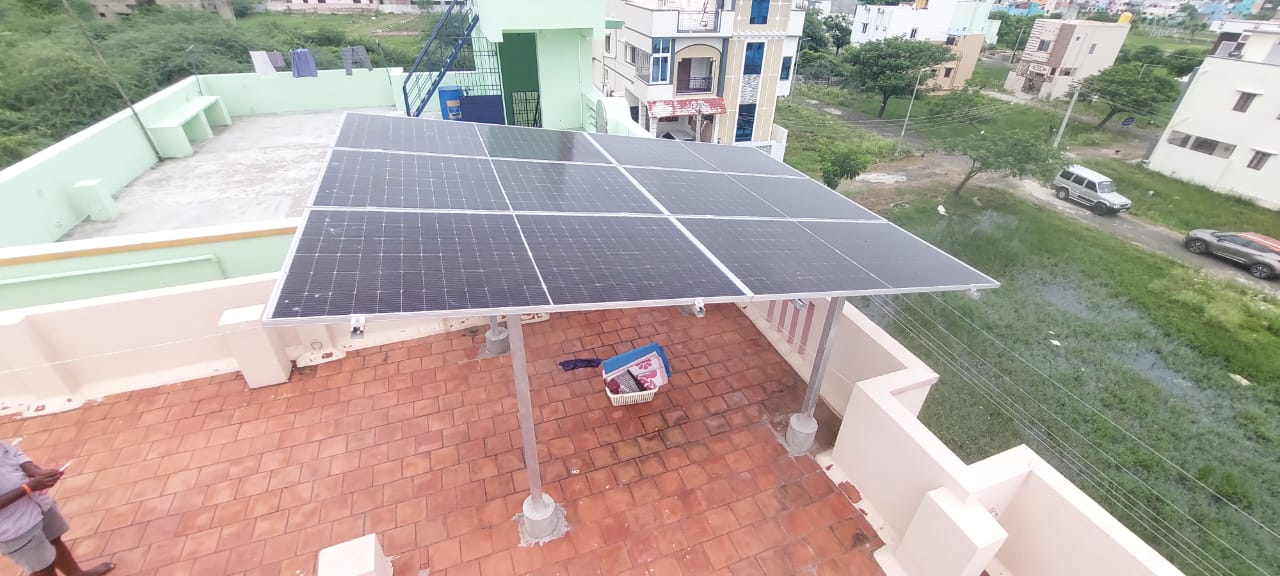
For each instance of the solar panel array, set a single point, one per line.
(431, 218)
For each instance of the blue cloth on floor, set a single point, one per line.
(304, 65)
(577, 363)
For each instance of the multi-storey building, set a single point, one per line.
(961, 24)
(705, 70)
(1060, 53)
(1225, 132)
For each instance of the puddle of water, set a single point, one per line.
(881, 177)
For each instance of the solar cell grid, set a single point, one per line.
(553, 187)
(356, 178)
(373, 132)
(633, 151)
(536, 144)
(803, 198)
(701, 193)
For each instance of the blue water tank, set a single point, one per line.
(450, 102)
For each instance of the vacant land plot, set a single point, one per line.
(1093, 348)
(812, 131)
(326, 32)
(1137, 38)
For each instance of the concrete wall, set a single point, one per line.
(64, 271)
(499, 16)
(1011, 513)
(250, 93)
(564, 71)
(1206, 111)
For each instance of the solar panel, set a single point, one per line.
(604, 259)
(893, 255)
(418, 218)
(633, 151)
(535, 144)
(398, 133)
(779, 257)
(804, 198)
(362, 262)
(683, 192)
(745, 159)
(357, 178)
(554, 187)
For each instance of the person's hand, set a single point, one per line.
(44, 481)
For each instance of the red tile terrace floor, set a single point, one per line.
(419, 442)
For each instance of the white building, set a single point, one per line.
(705, 70)
(1225, 132)
(1060, 53)
(961, 24)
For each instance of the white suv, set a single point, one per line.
(1090, 188)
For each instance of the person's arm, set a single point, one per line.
(37, 483)
(12, 496)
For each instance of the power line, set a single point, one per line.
(1112, 422)
(1029, 424)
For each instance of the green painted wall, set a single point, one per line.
(77, 277)
(518, 57)
(564, 71)
(333, 89)
(497, 17)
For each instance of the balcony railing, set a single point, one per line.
(643, 59)
(693, 22)
(693, 84)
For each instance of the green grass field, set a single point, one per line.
(1182, 206)
(1137, 39)
(1146, 341)
(1005, 116)
(812, 131)
(297, 29)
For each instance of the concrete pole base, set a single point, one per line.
(496, 342)
(801, 430)
(541, 521)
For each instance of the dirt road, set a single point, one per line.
(877, 189)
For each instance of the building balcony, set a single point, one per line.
(674, 18)
(694, 84)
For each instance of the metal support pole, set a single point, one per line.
(802, 425)
(908, 118)
(539, 521)
(495, 339)
(1058, 137)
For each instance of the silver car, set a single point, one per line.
(1259, 253)
(1093, 189)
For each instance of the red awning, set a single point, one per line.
(686, 107)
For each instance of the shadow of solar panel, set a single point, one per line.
(361, 262)
(603, 259)
(372, 132)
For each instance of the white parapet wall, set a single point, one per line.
(1012, 513)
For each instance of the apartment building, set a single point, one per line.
(961, 24)
(704, 70)
(1225, 132)
(1060, 53)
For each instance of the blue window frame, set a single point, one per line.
(754, 62)
(660, 63)
(786, 68)
(759, 11)
(746, 123)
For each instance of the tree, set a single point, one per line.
(839, 32)
(1129, 88)
(891, 67)
(814, 65)
(1148, 54)
(1014, 153)
(1182, 61)
(842, 163)
(1014, 30)
(968, 107)
(814, 36)
(1103, 16)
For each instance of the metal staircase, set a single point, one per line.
(451, 35)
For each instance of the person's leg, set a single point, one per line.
(67, 564)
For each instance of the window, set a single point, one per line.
(914, 31)
(1043, 46)
(1079, 180)
(608, 43)
(864, 27)
(660, 62)
(754, 61)
(1092, 47)
(1232, 239)
(1067, 175)
(1212, 147)
(1259, 159)
(1090, 185)
(759, 11)
(1179, 139)
(1066, 71)
(1244, 101)
(946, 72)
(746, 123)
(786, 68)
(951, 40)
(631, 54)
(1106, 186)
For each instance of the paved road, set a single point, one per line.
(879, 184)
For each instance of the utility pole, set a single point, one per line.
(1058, 137)
(909, 105)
